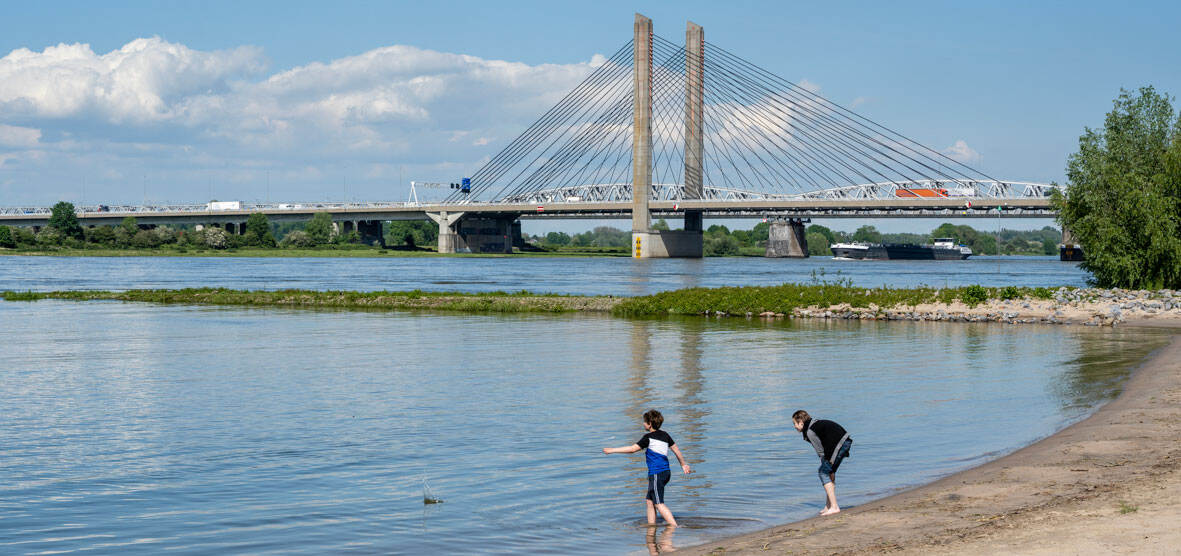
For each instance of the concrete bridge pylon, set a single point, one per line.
(649, 243)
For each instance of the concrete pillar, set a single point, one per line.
(372, 232)
(642, 125)
(786, 239)
(515, 232)
(349, 226)
(694, 120)
(449, 241)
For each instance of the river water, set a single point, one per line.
(586, 275)
(136, 428)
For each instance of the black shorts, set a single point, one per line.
(656, 482)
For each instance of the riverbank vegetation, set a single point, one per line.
(318, 237)
(693, 301)
(1123, 203)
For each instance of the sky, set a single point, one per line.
(122, 102)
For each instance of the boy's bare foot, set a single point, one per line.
(831, 511)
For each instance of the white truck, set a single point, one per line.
(225, 205)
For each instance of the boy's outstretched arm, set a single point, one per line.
(681, 459)
(623, 449)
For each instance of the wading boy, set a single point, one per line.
(658, 443)
(832, 444)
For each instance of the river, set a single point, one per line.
(135, 428)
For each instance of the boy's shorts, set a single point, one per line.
(656, 482)
(827, 468)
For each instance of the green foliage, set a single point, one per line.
(129, 226)
(412, 233)
(22, 296)
(1126, 508)
(660, 226)
(320, 228)
(50, 236)
(101, 235)
(214, 238)
(829, 237)
(557, 238)
(973, 295)
(1042, 293)
(721, 246)
(817, 244)
(351, 236)
(65, 220)
(867, 234)
(1009, 292)
(297, 238)
(145, 239)
(258, 231)
(1123, 203)
(24, 236)
(602, 236)
(7, 240)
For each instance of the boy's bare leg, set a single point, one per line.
(651, 513)
(830, 490)
(666, 513)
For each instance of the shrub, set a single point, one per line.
(724, 246)
(101, 235)
(258, 230)
(974, 295)
(1043, 293)
(320, 228)
(1010, 292)
(298, 238)
(49, 236)
(6, 238)
(145, 239)
(214, 238)
(24, 236)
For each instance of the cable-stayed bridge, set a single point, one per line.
(684, 131)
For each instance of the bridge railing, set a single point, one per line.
(132, 210)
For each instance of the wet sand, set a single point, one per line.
(1109, 483)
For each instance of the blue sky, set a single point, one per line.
(188, 100)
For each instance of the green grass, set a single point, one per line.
(691, 301)
(1125, 508)
(340, 252)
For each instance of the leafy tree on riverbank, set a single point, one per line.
(258, 231)
(65, 220)
(319, 229)
(1123, 203)
(6, 238)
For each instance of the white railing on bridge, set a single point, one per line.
(169, 208)
(944, 189)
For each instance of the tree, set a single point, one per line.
(319, 229)
(867, 234)
(557, 238)
(215, 237)
(817, 243)
(818, 229)
(6, 238)
(129, 225)
(258, 230)
(1123, 202)
(65, 220)
(721, 246)
(660, 226)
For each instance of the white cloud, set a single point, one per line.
(164, 108)
(960, 151)
(858, 102)
(809, 86)
(20, 137)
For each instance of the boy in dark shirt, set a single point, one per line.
(658, 443)
(832, 444)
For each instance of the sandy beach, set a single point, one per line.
(1108, 484)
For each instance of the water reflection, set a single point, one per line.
(662, 542)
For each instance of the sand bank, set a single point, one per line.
(1109, 483)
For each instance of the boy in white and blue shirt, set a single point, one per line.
(657, 443)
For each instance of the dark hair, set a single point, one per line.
(654, 418)
(800, 416)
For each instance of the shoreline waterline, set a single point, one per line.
(841, 301)
(1075, 471)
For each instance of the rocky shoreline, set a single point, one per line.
(1086, 306)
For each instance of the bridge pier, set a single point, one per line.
(372, 232)
(786, 238)
(448, 237)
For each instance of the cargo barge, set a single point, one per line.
(943, 249)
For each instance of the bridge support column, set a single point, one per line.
(487, 234)
(642, 126)
(786, 239)
(1069, 249)
(694, 120)
(449, 241)
(372, 232)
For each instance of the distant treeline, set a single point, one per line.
(722, 241)
(64, 231)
